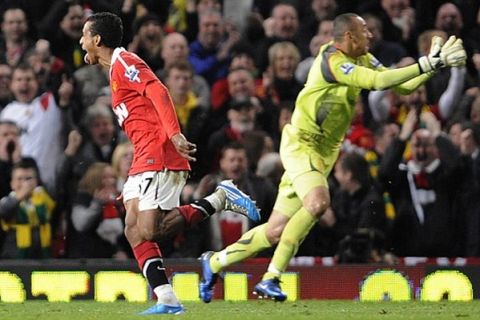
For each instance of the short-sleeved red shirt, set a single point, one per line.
(149, 122)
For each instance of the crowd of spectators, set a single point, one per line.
(407, 182)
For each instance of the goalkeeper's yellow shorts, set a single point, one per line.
(306, 165)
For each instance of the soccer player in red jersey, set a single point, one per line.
(160, 165)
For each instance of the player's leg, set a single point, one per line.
(173, 220)
(315, 202)
(252, 242)
(142, 213)
(307, 163)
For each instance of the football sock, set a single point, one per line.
(203, 208)
(214, 202)
(149, 259)
(166, 295)
(292, 236)
(144, 251)
(248, 245)
(192, 214)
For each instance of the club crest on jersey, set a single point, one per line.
(346, 68)
(132, 74)
(114, 86)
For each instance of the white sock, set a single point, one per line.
(166, 295)
(217, 200)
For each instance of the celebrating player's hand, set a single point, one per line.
(432, 61)
(185, 148)
(452, 53)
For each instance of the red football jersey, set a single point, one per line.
(149, 122)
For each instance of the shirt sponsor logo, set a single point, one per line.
(132, 74)
(346, 68)
(121, 112)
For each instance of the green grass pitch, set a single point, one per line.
(265, 310)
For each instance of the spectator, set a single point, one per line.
(397, 108)
(89, 80)
(270, 167)
(358, 211)
(175, 48)
(50, 70)
(147, 39)
(321, 10)
(324, 35)
(194, 9)
(449, 19)
(62, 26)
(468, 200)
(26, 214)
(426, 223)
(97, 217)
(40, 119)
(5, 78)
(209, 54)
(398, 20)
(192, 117)
(279, 82)
(242, 58)
(256, 143)
(14, 42)
(96, 144)
(242, 118)
(10, 153)
(284, 27)
(121, 161)
(241, 87)
(387, 52)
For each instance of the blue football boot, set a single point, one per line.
(161, 308)
(209, 278)
(270, 288)
(239, 202)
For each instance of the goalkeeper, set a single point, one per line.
(310, 145)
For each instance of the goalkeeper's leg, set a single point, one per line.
(252, 242)
(313, 188)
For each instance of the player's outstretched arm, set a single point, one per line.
(427, 64)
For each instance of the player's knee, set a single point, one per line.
(317, 207)
(317, 201)
(274, 234)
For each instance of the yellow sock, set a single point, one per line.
(292, 236)
(252, 242)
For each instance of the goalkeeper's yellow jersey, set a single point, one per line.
(325, 105)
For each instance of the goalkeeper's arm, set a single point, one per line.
(411, 85)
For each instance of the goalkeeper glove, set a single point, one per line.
(452, 53)
(432, 61)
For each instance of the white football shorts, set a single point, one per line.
(155, 189)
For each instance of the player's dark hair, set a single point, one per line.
(342, 24)
(108, 26)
